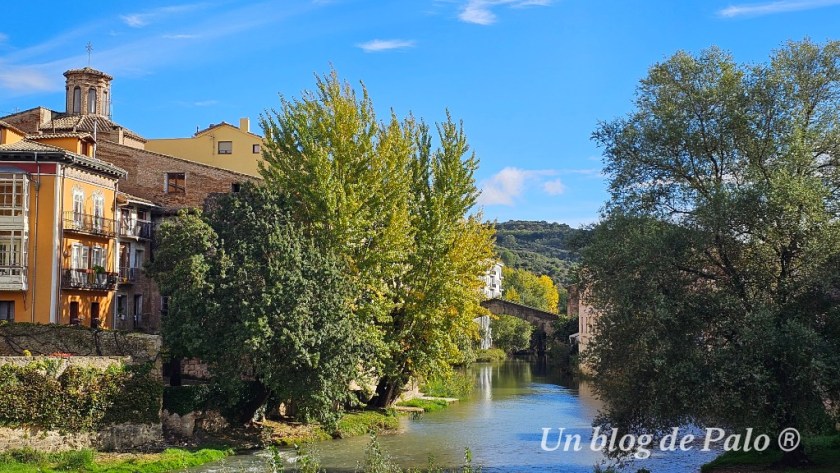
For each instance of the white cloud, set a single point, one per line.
(508, 184)
(769, 8)
(205, 103)
(378, 45)
(25, 80)
(555, 187)
(180, 36)
(139, 20)
(480, 12)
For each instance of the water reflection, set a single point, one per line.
(502, 425)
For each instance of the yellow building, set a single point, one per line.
(58, 229)
(222, 145)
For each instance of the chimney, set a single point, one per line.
(245, 125)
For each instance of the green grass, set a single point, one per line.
(490, 355)
(428, 405)
(458, 385)
(31, 461)
(364, 422)
(824, 451)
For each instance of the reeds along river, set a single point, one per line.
(501, 423)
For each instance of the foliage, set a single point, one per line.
(363, 422)
(254, 297)
(510, 334)
(31, 461)
(395, 209)
(717, 266)
(526, 288)
(540, 247)
(77, 399)
(491, 355)
(428, 405)
(185, 399)
(455, 384)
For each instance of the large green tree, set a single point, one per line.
(524, 287)
(396, 208)
(716, 266)
(258, 300)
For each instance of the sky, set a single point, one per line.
(530, 79)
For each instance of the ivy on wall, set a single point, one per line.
(77, 399)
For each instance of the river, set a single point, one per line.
(501, 423)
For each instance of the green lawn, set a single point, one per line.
(823, 450)
(428, 405)
(170, 460)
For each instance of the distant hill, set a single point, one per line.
(540, 247)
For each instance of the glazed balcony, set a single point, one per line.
(88, 279)
(89, 224)
(13, 278)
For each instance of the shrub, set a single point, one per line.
(511, 334)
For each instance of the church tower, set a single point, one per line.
(88, 92)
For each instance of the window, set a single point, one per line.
(255, 149)
(13, 195)
(74, 313)
(138, 258)
(77, 100)
(105, 105)
(225, 147)
(12, 252)
(7, 310)
(94, 315)
(235, 187)
(98, 211)
(138, 307)
(176, 183)
(80, 256)
(78, 207)
(91, 105)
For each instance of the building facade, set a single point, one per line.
(57, 230)
(80, 199)
(221, 145)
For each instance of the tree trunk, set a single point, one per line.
(258, 399)
(387, 391)
(795, 458)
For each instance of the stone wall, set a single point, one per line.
(121, 437)
(17, 338)
(195, 368)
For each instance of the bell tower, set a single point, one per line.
(88, 92)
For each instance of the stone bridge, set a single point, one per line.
(542, 320)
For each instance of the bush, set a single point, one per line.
(457, 384)
(511, 334)
(491, 355)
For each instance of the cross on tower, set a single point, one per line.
(89, 48)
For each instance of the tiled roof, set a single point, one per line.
(87, 70)
(27, 146)
(86, 123)
(11, 127)
(133, 198)
(59, 135)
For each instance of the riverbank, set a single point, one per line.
(174, 459)
(824, 451)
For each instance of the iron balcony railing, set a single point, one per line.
(88, 279)
(128, 275)
(85, 223)
(137, 229)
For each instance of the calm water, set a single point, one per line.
(501, 424)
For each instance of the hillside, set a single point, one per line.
(540, 247)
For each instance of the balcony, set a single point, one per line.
(128, 275)
(138, 229)
(88, 279)
(90, 224)
(13, 278)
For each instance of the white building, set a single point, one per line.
(492, 289)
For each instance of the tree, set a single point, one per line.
(715, 267)
(524, 287)
(255, 298)
(510, 334)
(396, 210)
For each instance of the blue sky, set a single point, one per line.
(529, 78)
